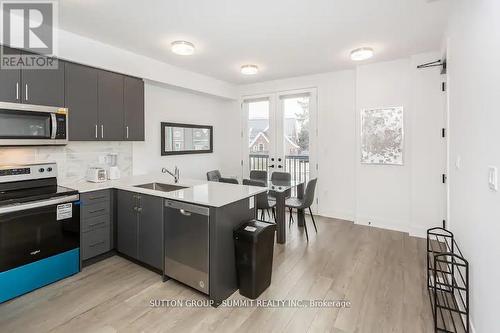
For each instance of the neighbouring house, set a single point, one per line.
(258, 135)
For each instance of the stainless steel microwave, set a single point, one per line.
(32, 125)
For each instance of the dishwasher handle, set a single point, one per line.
(187, 209)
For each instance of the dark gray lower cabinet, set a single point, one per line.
(150, 230)
(96, 225)
(126, 223)
(140, 227)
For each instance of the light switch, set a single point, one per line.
(493, 178)
(458, 162)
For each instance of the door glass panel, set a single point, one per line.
(259, 136)
(24, 125)
(295, 142)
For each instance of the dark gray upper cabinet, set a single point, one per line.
(126, 223)
(133, 115)
(10, 81)
(110, 106)
(102, 105)
(81, 101)
(150, 238)
(43, 86)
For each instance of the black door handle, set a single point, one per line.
(271, 166)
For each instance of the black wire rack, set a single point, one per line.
(447, 282)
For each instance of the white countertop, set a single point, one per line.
(212, 194)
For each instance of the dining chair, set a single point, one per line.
(258, 175)
(304, 203)
(281, 176)
(285, 177)
(228, 180)
(214, 175)
(262, 200)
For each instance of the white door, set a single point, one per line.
(280, 133)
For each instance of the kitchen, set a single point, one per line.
(236, 166)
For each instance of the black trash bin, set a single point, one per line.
(254, 242)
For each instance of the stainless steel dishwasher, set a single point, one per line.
(187, 244)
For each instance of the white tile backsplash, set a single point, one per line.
(73, 159)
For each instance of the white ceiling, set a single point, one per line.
(283, 37)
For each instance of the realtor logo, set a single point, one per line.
(29, 26)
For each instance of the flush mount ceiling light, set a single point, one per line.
(363, 53)
(249, 69)
(181, 47)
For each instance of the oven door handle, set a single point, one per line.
(53, 132)
(38, 204)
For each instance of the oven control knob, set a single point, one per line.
(41, 170)
(49, 169)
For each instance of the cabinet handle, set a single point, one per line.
(127, 132)
(102, 131)
(185, 213)
(96, 131)
(26, 91)
(97, 198)
(95, 244)
(97, 211)
(94, 224)
(139, 209)
(17, 90)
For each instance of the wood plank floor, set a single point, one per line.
(382, 274)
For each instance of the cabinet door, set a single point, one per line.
(43, 86)
(133, 96)
(10, 81)
(81, 101)
(127, 223)
(151, 231)
(110, 106)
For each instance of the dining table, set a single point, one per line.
(281, 190)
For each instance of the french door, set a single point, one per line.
(279, 134)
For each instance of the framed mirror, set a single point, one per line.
(179, 139)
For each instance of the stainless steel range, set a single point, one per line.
(39, 229)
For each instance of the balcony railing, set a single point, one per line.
(296, 165)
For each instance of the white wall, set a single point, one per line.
(473, 54)
(383, 192)
(408, 198)
(336, 97)
(164, 103)
(411, 197)
(90, 52)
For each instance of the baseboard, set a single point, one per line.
(382, 223)
(337, 215)
(419, 232)
(414, 231)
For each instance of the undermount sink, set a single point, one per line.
(161, 187)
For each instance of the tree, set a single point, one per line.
(303, 122)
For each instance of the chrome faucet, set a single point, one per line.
(174, 174)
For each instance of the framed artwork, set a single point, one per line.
(382, 136)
